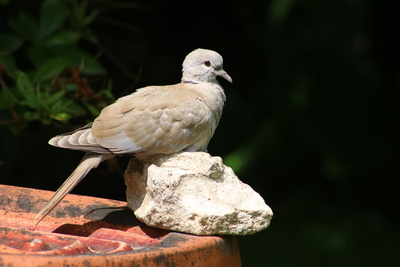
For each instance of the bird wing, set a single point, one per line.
(160, 119)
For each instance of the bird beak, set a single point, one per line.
(224, 75)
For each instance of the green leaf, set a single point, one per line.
(61, 106)
(9, 64)
(87, 19)
(74, 109)
(50, 69)
(79, 57)
(51, 100)
(26, 89)
(24, 25)
(71, 87)
(78, 12)
(107, 92)
(39, 55)
(62, 116)
(9, 43)
(92, 67)
(7, 98)
(94, 111)
(62, 38)
(52, 16)
(45, 120)
(43, 105)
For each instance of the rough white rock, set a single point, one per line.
(195, 193)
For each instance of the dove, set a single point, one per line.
(154, 119)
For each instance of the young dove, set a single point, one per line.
(154, 119)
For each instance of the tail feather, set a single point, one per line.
(89, 161)
(80, 139)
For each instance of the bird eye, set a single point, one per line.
(207, 63)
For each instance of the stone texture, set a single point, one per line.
(195, 193)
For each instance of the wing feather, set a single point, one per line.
(159, 119)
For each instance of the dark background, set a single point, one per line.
(310, 122)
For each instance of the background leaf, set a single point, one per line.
(62, 38)
(52, 16)
(26, 89)
(39, 55)
(24, 25)
(9, 42)
(50, 69)
(79, 57)
(8, 63)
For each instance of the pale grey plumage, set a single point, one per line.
(154, 119)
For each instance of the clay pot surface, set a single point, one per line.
(88, 231)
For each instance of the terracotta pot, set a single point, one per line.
(88, 231)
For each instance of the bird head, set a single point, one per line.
(203, 65)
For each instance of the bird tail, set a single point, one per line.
(89, 161)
